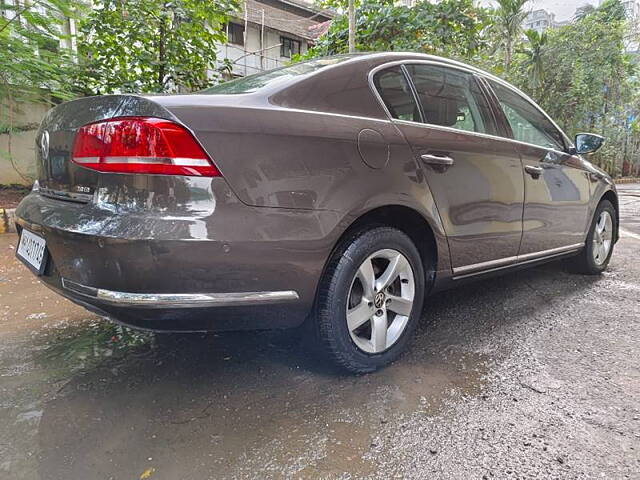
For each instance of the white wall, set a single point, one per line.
(23, 147)
(22, 142)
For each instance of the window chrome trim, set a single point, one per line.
(179, 300)
(477, 134)
(414, 92)
(506, 262)
(450, 129)
(469, 69)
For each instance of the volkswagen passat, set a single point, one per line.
(341, 190)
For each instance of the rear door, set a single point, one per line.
(475, 177)
(556, 188)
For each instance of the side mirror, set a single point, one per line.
(588, 143)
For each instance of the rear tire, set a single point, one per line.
(370, 299)
(595, 256)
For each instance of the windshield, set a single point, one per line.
(254, 82)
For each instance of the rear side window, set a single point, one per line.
(527, 122)
(451, 98)
(396, 94)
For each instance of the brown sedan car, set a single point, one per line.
(340, 191)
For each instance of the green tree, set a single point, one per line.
(535, 61)
(583, 78)
(152, 45)
(451, 28)
(507, 24)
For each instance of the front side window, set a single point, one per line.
(396, 94)
(451, 98)
(527, 122)
(288, 47)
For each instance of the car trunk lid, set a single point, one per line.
(58, 176)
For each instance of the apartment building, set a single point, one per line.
(268, 33)
(539, 20)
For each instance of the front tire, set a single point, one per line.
(370, 299)
(595, 256)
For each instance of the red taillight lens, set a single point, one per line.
(141, 145)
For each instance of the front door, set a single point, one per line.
(475, 178)
(556, 188)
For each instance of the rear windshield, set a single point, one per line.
(254, 82)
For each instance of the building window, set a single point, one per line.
(288, 47)
(235, 33)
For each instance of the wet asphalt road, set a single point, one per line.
(531, 375)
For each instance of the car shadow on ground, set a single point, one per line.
(242, 397)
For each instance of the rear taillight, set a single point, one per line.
(141, 145)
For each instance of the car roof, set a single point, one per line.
(386, 57)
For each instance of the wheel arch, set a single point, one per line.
(407, 220)
(611, 196)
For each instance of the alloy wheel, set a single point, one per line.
(380, 301)
(602, 238)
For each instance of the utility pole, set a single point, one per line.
(262, 42)
(352, 27)
(245, 35)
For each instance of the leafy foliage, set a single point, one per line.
(507, 25)
(450, 28)
(152, 45)
(33, 63)
(534, 61)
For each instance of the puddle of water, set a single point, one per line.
(93, 394)
(35, 364)
(65, 349)
(237, 404)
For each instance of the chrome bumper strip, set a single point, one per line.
(179, 300)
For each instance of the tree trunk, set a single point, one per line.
(507, 55)
(162, 38)
(352, 27)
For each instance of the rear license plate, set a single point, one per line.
(32, 250)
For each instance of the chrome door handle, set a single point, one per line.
(535, 172)
(440, 160)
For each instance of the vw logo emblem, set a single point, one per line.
(379, 300)
(44, 144)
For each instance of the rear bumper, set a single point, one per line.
(220, 266)
(187, 316)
